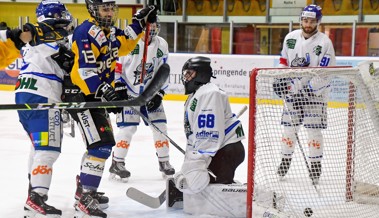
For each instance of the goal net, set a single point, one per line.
(343, 103)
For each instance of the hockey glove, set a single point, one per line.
(64, 58)
(121, 90)
(318, 85)
(281, 87)
(148, 14)
(49, 30)
(14, 35)
(295, 86)
(155, 102)
(106, 92)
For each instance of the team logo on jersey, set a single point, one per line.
(138, 73)
(159, 53)
(193, 104)
(26, 83)
(371, 69)
(187, 125)
(291, 43)
(135, 51)
(317, 50)
(240, 132)
(301, 61)
(212, 135)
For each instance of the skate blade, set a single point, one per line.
(115, 177)
(33, 214)
(164, 176)
(101, 206)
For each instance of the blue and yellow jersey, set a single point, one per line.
(8, 50)
(96, 50)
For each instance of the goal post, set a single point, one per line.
(349, 182)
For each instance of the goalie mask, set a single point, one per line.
(196, 72)
(310, 19)
(103, 11)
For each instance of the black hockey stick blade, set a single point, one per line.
(145, 199)
(155, 85)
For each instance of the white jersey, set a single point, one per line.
(128, 69)
(316, 51)
(209, 122)
(40, 74)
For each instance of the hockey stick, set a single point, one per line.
(165, 135)
(302, 150)
(144, 56)
(155, 85)
(142, 197)
(157, 129)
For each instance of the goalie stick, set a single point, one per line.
(155, 202)
(155, 85)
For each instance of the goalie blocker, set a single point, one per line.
(225, 201)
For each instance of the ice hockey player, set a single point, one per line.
(304, 97)
(214, 149)
(40, 81)
(12, 40)
(128, 72)
(96, 45)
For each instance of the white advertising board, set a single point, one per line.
(232, 71)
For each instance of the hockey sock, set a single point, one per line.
(42, 170)
(91, 172)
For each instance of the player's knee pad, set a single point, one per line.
(102, 152)
(158, 135)
(289, 138)
(126, 133)
(315, 143)
(45, 157)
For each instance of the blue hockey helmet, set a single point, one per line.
(52, 9)
(311, 11)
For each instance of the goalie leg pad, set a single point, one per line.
(217, 200)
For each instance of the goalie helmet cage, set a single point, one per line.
(348, 186)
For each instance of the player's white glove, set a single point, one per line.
(295, 86)
(193, 177)
(318, 85)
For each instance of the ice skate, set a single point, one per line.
(166, 169)
(88, 207)
(118, 172)
(99, 196)
(35, 207)
(284, 167)
(315, 172)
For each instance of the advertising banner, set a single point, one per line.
(231, 71)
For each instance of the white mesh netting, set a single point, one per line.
(347, 185)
